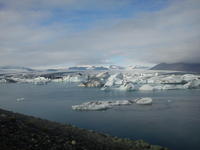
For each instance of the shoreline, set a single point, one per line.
(22, 132)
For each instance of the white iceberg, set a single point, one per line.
(36, 80)
(20, 99)
(40, 80)
(103, 105)
(146, 87)
(92, 83)
(3, 81)
(189, 77)
(100, 105)
(127, 86)
(114, 80)
(144, 101)
(194, 84)
(73, 78)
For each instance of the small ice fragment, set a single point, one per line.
(20, 99)
(146, 87)
(144, 101)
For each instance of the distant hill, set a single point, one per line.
(15, 68)
(195, 67)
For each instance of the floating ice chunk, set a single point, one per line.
(57, 80)
(169, 101)
(146, 87)
(103, 105)
(189, 77)
(144, 101)
(192, 84)
(127, 87)
(20, 99)
(40, 80)
(74, 78)
(120, 102)
(100, 105)
(92, 83)
(113, 80)
(3, 81)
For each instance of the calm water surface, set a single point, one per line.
(173, 120)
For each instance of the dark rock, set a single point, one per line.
(21, 132)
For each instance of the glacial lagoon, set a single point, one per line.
(173, 119)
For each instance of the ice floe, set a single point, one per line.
(144, 101)
(103, 105)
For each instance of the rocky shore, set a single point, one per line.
(21, 132)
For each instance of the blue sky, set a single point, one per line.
(86, 18)
(99, 32)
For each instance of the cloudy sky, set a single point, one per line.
(39, 33)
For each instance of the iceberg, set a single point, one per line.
(104, 105)
(103, 75)
(3, 81)
(20, 99)
(127, 80)
(73, 78)
(127, 86)
(91, 83)
(114, 80)
(144, 101)
(146, 87)
(101, 105)
(194, 84)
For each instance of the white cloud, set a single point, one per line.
(171, 34)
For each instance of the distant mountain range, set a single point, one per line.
(15, 68)
(73, 68)
(88, 67)
(195, 67)
(83, 68)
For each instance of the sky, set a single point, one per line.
(37, 33)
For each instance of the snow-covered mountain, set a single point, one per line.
(87, 67)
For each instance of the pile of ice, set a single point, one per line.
(103, 105)
(151, 81)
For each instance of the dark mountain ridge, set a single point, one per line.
(189, 67)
